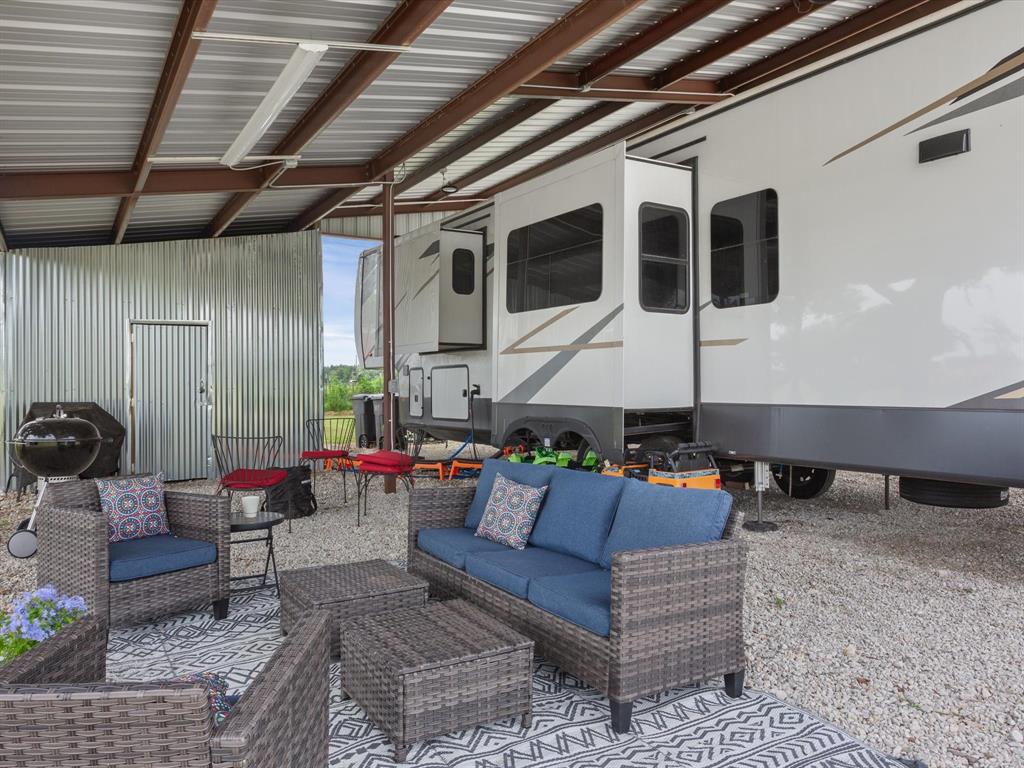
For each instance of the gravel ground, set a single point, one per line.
(905, 627)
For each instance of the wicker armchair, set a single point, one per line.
(73, 555)
(279, 722)
(676, 612)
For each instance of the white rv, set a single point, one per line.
(826, 274)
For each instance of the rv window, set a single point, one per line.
(745, 250)
(664, 259)
(463, 271)
(555, 262)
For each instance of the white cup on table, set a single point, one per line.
(250, 506)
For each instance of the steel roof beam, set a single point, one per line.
(194, 17)
(874, 21)
(641, 124)
(580, 24)
(176, 181)
(546, 139)
(501, 124)
(606, 94)
(665, 29)
(402, 27)
(773, 22)
(409, 206)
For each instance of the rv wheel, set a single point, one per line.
(808, 482)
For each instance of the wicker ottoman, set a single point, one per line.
(347, 591)
(425, 672)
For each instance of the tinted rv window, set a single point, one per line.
(664, 259)
(555, 262)
(463, 271)
(745, 250)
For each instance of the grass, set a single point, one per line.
(334, 431)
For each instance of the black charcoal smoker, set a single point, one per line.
(54, 448)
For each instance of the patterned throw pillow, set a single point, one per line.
(216, 688)
(510, 512)
(134, 507)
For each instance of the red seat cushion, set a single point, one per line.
(387, 459)
(380, 469)
(325, 454)
(253, 478)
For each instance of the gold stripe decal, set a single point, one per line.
(721, 342)
(564, 347)
(1017, 394)
(979, 82)
(514, 346)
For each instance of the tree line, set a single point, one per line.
(343, 381)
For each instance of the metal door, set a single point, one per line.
(416, 392)
(170, 412)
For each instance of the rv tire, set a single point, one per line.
(808, 482)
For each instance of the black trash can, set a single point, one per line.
(378, 418)
(366, 424)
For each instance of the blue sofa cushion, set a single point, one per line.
(513, 571)
(582, 598)
(577, 514)
(153, 555)
(453, 544)
(537, 475)
(661, 516)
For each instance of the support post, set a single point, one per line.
(762, 477)
(887, 492)
(388, 285)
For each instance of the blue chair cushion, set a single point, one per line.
(582, 598)
(153, 555)
(537, 475)
(577, 513)
(512, 571)
(453, 544)
(661, 516)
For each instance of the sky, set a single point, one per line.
(341, 257)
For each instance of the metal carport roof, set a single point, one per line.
(113, 113)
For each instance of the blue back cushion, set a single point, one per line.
(660, 516)
(537, 475)
(577, 514)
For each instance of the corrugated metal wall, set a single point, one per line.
(369, 227)
(66, 313)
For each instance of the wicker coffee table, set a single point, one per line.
(347, 591)
(424, 672)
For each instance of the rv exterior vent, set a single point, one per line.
(946, 145)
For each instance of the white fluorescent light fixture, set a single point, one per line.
(343, 45)
(300, 65)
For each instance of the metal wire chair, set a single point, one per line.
(245, 463)
(330, 439)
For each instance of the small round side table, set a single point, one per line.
(264, 521)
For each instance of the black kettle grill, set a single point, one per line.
(56, 447)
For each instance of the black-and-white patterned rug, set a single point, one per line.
(696, 727)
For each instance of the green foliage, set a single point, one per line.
(35, 617)
(343, 381)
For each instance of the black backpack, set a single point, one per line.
(293, 497)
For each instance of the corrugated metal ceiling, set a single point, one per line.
(79, 78)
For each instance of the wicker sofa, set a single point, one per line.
(640, 621)
(75, 556)
(53, 714)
